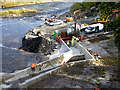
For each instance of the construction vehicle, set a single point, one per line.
(114, 15)
(72, 18)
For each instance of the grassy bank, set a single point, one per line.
(17, 4)
(17, 13)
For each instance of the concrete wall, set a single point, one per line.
(43, 66)
(51, 65)
(35, 79)
(88, 56)
(68, 54)
(48, 64)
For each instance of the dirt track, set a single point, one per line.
(81, 75)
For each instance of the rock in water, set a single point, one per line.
(38, 45)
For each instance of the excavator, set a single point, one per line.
(114, 15)
(72, 18)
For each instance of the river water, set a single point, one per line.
(13, 30)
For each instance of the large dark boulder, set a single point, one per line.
(38, 45)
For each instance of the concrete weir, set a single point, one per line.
(27, 77)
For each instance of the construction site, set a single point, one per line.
(78, 52)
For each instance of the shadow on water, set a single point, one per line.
(14, 59)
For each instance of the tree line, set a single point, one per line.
(105, 9)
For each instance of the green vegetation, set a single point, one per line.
(106, 8)
(7, 4)
(8, 13)
(84, 5)
(12, 4)
(76, 6)
(88, 5)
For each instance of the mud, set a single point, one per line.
(80, 75)
(99, 38)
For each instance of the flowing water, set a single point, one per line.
(13, 30)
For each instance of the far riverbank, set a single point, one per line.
(5, 5)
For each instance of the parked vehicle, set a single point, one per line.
(94, 28)
(56, 22)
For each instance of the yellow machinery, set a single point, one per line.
(72, 18)
(114, 15)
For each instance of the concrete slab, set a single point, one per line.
(75, 51)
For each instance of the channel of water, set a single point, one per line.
(13, 30)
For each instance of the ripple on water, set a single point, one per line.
(14, 29)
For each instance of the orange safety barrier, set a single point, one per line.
(66, 38)
(58, 39)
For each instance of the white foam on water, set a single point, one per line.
(14, 48)
(1, 45)
(57, 8)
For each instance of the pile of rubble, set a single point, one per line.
(39, 42)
